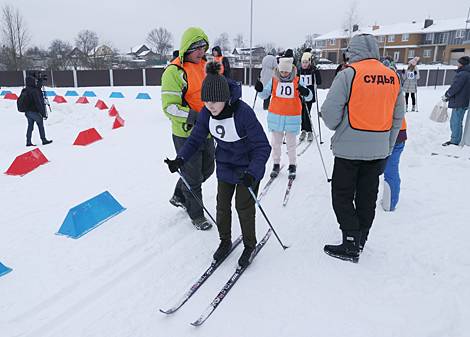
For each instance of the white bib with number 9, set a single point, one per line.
(224, 129)
(285, 90)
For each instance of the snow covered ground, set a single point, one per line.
(412, 278)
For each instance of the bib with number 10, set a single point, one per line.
(285, 90)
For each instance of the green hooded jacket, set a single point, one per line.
(174, 84)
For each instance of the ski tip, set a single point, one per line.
(434, 154)
(197, 323)
(165, 312)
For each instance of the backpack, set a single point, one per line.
(23, 102)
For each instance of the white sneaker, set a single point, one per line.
(302, 136)
(310, 137)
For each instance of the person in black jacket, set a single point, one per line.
(217, 53)
(37, 111)
(458, 96)
(308, 73)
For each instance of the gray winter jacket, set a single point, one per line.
(349, 143)
(268, 64)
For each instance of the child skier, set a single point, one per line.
(285, 110)
(242, 152)
(308, 73)
(410, 85)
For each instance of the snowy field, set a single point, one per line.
(413, 278)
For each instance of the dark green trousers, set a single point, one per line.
(245, 206)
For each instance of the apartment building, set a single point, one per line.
(432, 41)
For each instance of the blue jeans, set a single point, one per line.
(392, 174)
(32, 117)
(456, 124)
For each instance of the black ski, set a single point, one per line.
(230, 283)
(447, 155)
(215, 264)
(268, 184)
(287, 195)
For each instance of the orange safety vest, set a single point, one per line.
(403, 125)
(194, 76)
(373, 95)
(285, 100)
(219, 59)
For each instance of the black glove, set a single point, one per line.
(415, 72)
(192, 117)
(246, 179)
(303, 91)
(174, 165)
(259, 86)
(403, 71)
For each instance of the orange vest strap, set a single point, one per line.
(194, 75)
(219, 59)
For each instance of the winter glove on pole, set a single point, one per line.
(192, 117)
(302, 91)
(259, 86)
(246, 179)
(174, 165)
(415, 72)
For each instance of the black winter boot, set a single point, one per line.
(247, 256)
(292, 171)
(349, 249)
(45, 142)
(30, 144)
(275, 170)
(224, 248)
(364, 235)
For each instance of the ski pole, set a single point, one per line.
(269, 223)
(416, 98)
(316, 103)
(319, 150)
(195, 196)
(256, 95)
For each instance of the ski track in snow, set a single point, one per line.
(412, 279)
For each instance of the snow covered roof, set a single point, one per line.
(402, 28)
(341, 34)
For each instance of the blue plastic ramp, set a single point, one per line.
(116, 95)
(71, 93)
(87, 216)
(51, 93)
(89, 94)
(143, 95)
(4, 92)
(4, 269)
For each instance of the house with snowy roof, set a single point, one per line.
(432, 41)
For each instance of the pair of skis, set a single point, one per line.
(226, 288)
(269, 183)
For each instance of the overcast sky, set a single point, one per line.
(125, 24)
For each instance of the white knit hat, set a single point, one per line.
(306, 56)
(285, 64)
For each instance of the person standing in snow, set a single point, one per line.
(181, 101)
(308, 73)
(267, 67)
(242, 153)
(458, 96)
(410, 84)
(364, 107)
(37, 113)
(392, 181)
(217, 53)
(285, 110)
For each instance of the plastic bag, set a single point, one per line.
(439, 113)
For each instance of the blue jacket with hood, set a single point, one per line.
(248, 154)
(459, 91)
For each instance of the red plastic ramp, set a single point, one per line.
(59, 99)
(26, 163)
(87, 137)
(113, 111)
(10, 96)
(118, 122)
(101, 105)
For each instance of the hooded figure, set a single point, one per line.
(217, 53)
(364, 107)
(181, 101)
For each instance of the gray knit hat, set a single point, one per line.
(215, 86)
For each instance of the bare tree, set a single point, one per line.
(161, 39)
(238, 41)
(59, 51)
(86, 41)
(223, 42)
(350, 19)
(15, 39)
(310, 40)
